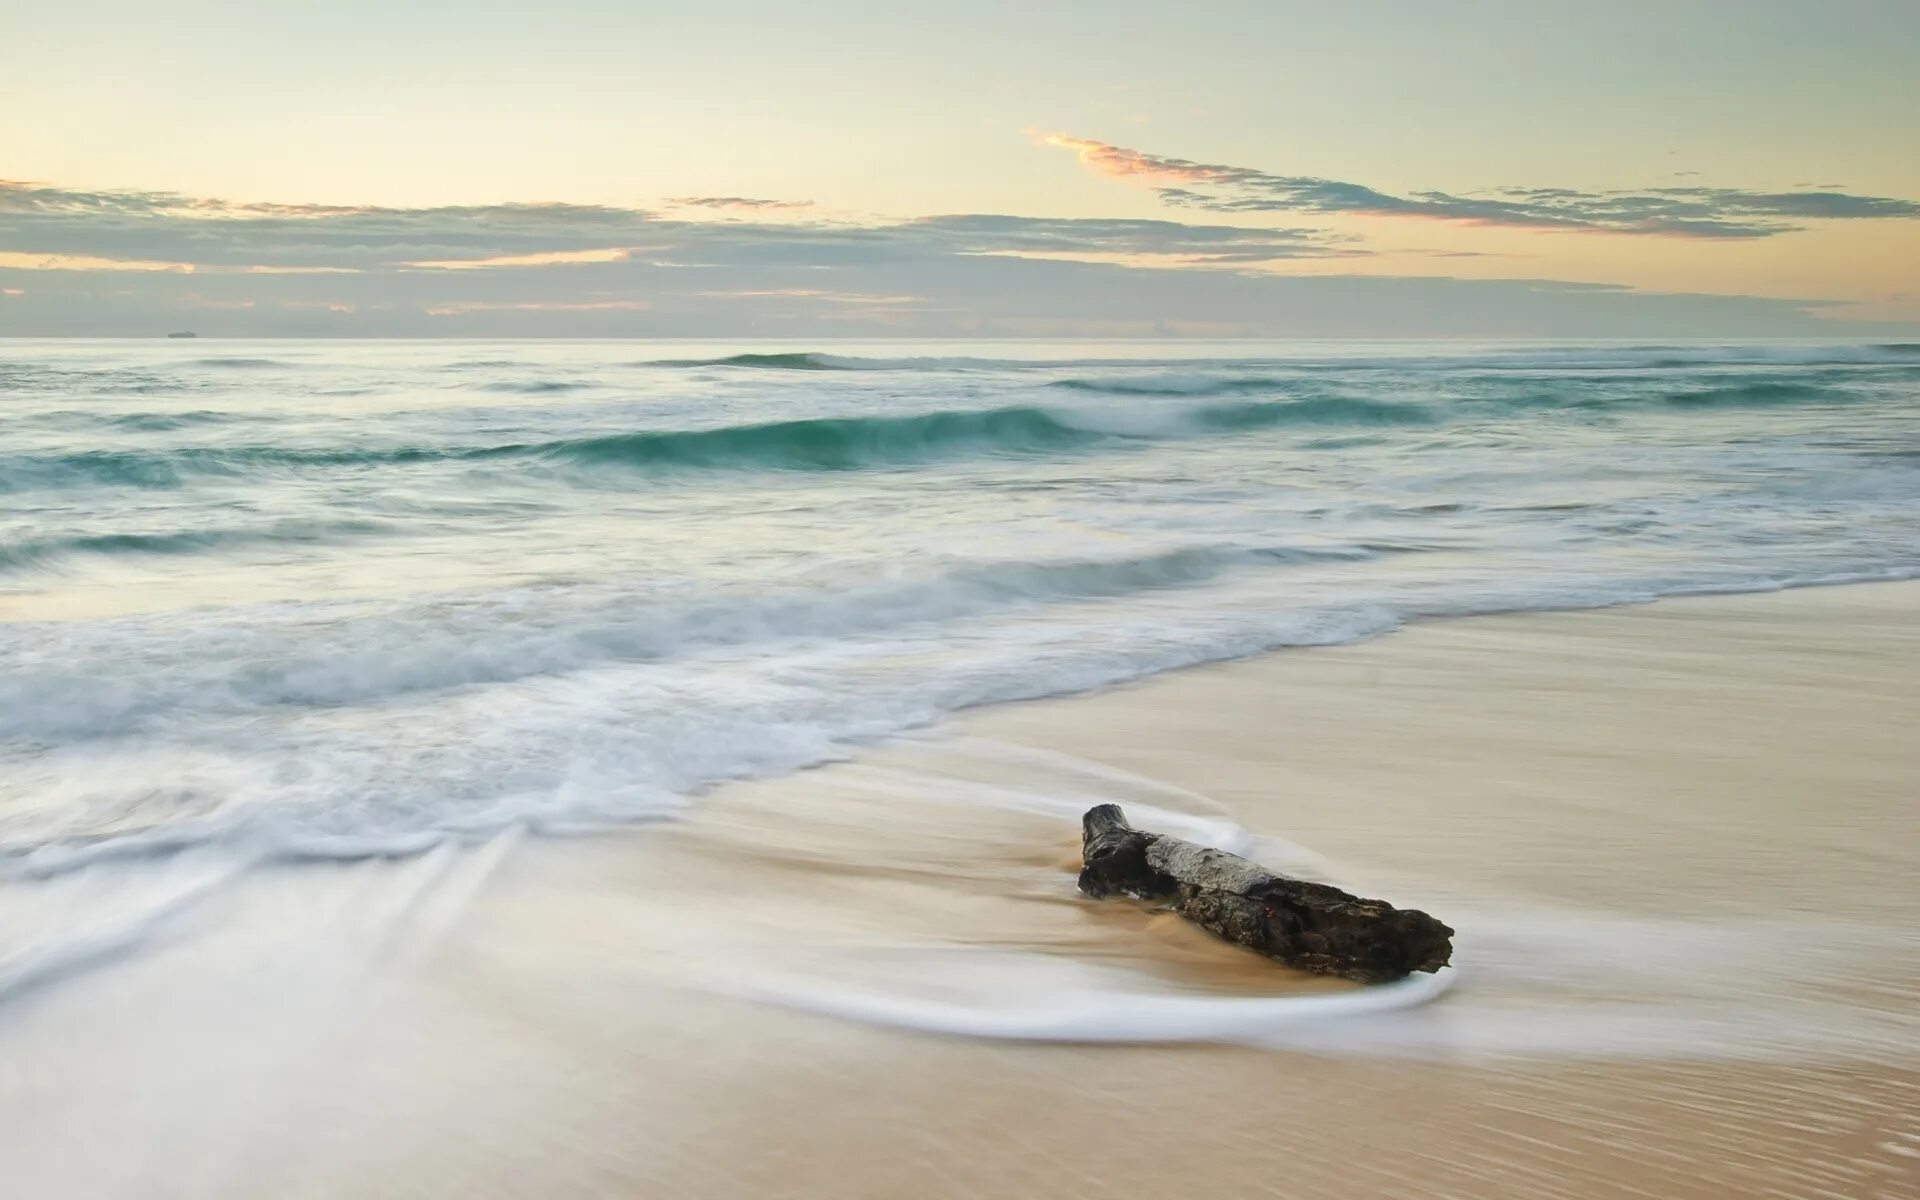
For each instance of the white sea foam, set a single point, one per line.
(1533, 985)
(420, 734)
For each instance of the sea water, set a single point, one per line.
(269, 601)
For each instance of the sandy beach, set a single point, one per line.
(1676, 840)
(919, 602)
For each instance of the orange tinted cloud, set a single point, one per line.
(740, 202)
(85, 262)
(1122, 163)
(1690, 211)
(545, 258)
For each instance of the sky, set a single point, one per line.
(732, 169)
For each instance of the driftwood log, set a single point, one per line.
(1312, 926)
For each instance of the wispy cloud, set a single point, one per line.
(1688, 212)
(59, 229)
(739, 202)
(457, 308)
(1069, 236)
(85, 262)
(212, 234)
(795, 293)
(137, 262)
(541, 258)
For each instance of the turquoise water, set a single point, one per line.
(340, 598)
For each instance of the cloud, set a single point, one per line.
(983, 234)
(455, 308)
(75, 262)
(85, 262)
(543, 258)
(212, 234)
(1689, 212)
(63, 229)
(739, 202)
(857, 298)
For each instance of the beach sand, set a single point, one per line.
(1678, 843)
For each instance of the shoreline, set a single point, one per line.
(1675, 838)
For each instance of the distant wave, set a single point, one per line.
(534, 387)
(765, 362)
(1172, 384)
(240, 363)
(852, 443)
(164, 469)
(99, 468)
(65, 380)
(830, 443)
(1578, 357)
(42, 553)
(166, 422)
(812, 444)
(1752, 395)
(846, 443)
(819, 361)
(1607, 358)
(136, 422)
(1324, 410)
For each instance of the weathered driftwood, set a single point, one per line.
(1312, 926)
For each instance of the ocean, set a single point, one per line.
(265, 602)
(307, 595)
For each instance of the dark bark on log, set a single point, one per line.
(1312, 926)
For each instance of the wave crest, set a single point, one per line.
(808, 444)
(764, 362)
(1754, 395)
(1171, 384)
(249, 670)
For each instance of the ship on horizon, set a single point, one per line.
(183, 333)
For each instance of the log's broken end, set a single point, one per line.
(1312, 926)
(1102, 819)
(1113, 856)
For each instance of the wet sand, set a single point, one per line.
(1677, 840)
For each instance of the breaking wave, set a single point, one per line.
(812, 444)
(229, 672)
